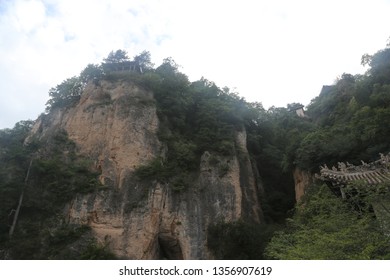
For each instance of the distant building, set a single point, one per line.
(326, 89)
(123, 66)
(300, 112)
(298, 108)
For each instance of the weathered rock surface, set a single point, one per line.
(302, 180)
(115, 125)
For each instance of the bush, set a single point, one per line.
(238, 240)
(154, 170)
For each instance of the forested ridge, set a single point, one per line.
(348, 122)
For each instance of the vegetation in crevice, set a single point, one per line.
(238, 240)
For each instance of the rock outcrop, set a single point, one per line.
(302, 180)
(115, 125)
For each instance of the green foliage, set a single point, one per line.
(326, 227)
(59, 240)
(181, 182)
(324, 145)
(144, 61)
(14, 162)
(273, 138)
(93, 72)
(362, 196)
(55, 177)
(223, 169)
(96, 251)
(56, 240)
(61, 173)
(154, 170)
(116, 57)
(380, 66)
(348, 121)
(68, 92)
(65, 94)
(238, 240)
(351, 118)
(165, 172)
(194, 118)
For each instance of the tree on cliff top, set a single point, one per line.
(65, 94)
(144, 60)
(117, 57)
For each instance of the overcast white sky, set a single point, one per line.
(272, 51)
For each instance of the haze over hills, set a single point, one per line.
(133, 161)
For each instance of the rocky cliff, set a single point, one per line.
(115, 125)
(302, 180)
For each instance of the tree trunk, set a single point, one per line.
(12, 229)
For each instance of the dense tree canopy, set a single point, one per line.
(326, 227)
(117, 57)
(144, 60)
(65, 94)
(349, 122)
(351, 118)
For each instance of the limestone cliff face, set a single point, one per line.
(115, 125)
(302, 180)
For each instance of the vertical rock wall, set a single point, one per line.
(302, 180)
